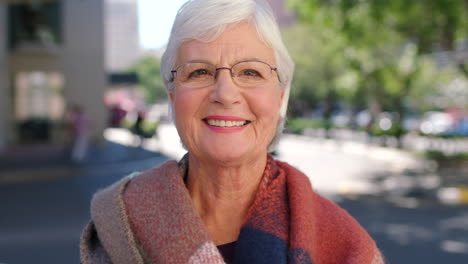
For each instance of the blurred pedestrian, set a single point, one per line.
(79, 126)
(116, 116)
(137, 127)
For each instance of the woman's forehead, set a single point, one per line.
(236, 43)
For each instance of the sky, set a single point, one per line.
(155, 20)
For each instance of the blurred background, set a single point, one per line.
(377, 118)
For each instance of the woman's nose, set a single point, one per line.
(225, 90)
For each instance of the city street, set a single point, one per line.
(373, 95)
(42, 218)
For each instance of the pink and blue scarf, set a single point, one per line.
(287, 223)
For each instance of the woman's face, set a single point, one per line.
(202, 114)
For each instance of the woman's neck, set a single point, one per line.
(223, 194)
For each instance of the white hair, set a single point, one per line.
(206, 20)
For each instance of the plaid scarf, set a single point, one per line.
(150, 218)
(287, 223)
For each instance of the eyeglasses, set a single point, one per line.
(244, 74)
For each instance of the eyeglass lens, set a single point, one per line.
(249, 73)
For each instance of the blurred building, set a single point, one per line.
(122, 37)
(51, 56)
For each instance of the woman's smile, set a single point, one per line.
(226, 124)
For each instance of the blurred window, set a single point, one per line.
(39, 95)
(39, 105)
(34, 23)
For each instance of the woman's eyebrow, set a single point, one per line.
(250, 59)
(198, 61)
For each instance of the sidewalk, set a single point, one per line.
(41, 163)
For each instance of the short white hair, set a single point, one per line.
(206, 20)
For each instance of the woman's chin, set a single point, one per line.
(231, 157)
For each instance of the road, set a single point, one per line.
(41, 220)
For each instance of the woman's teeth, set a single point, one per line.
(225, 123)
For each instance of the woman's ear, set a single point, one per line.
(284, 98)
(283, 91)
(171, 96)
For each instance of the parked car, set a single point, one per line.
(436, 123)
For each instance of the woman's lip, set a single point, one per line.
(226, 118)
(231, 129)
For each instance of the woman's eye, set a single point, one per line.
(250, 73)
(198, 73)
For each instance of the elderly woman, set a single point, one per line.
(228, 74)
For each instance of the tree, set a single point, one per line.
(150, 80)
(319, 72)
(432, 25)
(387, 40)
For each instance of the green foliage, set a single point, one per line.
(441, 156)
(148, 127)
(374, 53)
(297, 125)
(321, 72)
(395, 131)
(150, 80)
(126, 123)
(426, 22)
